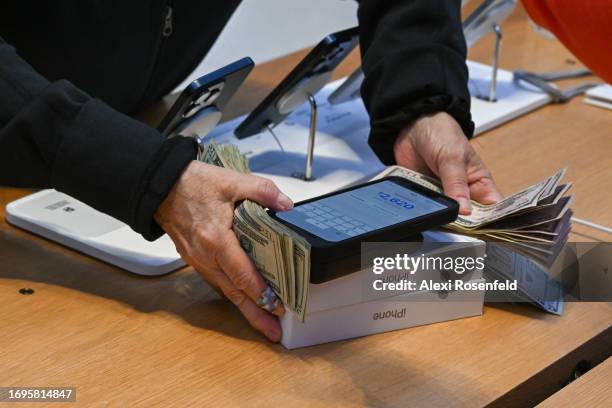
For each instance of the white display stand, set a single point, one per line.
(513, 100)
(61, 218)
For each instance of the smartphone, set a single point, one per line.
(199, 107)
(386, 210)
(316, 66)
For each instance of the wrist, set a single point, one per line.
(418, 131)
(164, 212)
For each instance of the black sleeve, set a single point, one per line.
(413, 54)
(54, 135)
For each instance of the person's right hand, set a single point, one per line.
(198, 215)
(435, 144)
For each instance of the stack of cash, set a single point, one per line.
(536, 220)
(280, 255)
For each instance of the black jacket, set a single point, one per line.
(68, 68)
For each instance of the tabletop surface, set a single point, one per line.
(124, 340)
(594, 389)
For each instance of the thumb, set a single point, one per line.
(262, 191)
(453, 173)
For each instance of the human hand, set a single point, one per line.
(198, 215)
(436, 144)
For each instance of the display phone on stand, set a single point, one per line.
(307, 78)
(199, 107)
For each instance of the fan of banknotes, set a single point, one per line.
(536, 220)
(280, 255)
(530, 227)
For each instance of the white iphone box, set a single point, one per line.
(378, 316)
(341, 309)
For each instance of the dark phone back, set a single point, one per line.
(323, 58)
(213, 89)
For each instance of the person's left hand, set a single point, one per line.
(435, 144)
(198, 215)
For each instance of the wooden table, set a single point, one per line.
(594, 389)
(124, 340)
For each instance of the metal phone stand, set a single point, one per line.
(544, 83)
(492, 94)
(488, 18)
(312, 133)
(297, 96)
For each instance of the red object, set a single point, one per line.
(583, 26)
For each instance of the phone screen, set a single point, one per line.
(359, 211)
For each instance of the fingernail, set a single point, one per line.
(284, 202)
(273, 335)
(465, 204)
